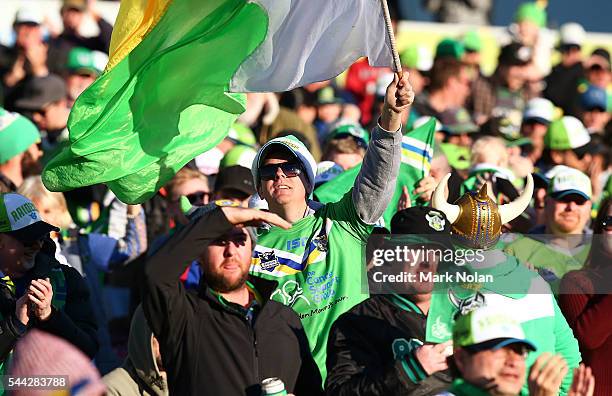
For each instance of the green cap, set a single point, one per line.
(489, 328)
(242, 134)
(451, 48)
(20, 218)
(357, 132)
(566, 133)
(17, 133)
(472, 41)
(417, 57)
(239, 155)
(531, 12)
(458, 156)
(85, 60)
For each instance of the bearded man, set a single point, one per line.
(229, 336)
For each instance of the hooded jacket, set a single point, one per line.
(139, 374)
(211, 345)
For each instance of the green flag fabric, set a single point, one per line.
(161, 105)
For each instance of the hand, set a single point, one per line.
(37, 56)
(17, 72)
(404, 201)
(40, 294)
(133, 210)
(398, 99)
(425, 188)
(21, 310)
(546, 375)
(246, 217)
(583, 383)
(433, 356)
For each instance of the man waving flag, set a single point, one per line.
(165, 94)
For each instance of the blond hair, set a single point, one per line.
(182, 176)
(346, 145)
(490, 150)
(34, 189)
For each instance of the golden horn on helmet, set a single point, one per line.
(512, 210)
(439, 201)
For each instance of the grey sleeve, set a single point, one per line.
(375, 183)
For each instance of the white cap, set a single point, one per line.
(570, 181)
(540, 110)
(29, 15)
(572, 34)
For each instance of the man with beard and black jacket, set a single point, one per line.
(228, 336)
(378, 347)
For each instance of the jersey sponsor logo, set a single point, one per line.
(402, 347)
(268, 261)
(296, 243)
(289, 293)
(322, 287)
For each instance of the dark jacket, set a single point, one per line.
(209, 344)
(60, 47)
(371, 351)
(71, 316)
(562, 87)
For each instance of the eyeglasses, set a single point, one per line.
(290, 169)
(198, 197)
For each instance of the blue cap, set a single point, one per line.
(594, 98)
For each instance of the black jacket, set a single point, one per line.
(211, 347)
(562, 87)
(73, 322)
(370, 351)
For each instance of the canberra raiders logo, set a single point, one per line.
(466, 305)
(268, 261)
(435, 221)
(321, 243)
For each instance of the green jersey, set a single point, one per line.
(320, 268)
(550, 261)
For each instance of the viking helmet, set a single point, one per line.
(476, 219)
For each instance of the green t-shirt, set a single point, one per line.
(319, 265)
(550, 261)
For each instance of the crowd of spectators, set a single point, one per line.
(188, 291)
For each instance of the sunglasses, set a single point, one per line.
(577, 199)
(290, 169)
(198, 197)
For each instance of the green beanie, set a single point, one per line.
(531, 12)
(239, 155)
(450, 47)
(17, 133)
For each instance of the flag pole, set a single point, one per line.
(396, 60)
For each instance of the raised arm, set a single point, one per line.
(375, 184)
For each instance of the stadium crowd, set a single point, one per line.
(237, 270)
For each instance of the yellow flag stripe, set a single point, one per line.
(135, 20)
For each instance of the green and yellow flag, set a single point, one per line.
(164, 96)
